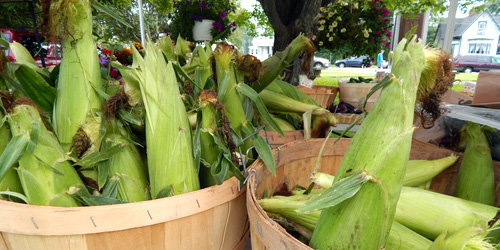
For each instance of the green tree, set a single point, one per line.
(17, 16)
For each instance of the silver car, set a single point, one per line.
(321, 63)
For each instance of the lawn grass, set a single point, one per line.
(466, 77)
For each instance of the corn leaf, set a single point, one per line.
(111, 12)
(12, 153)
(219, 169)
(111, 188)
(96, 157)
(16, 195)
(222, 87)
(254, 96)
(165, 192)
(261, 146)
(102, 173)
(180, 70)
(131, 117)
(36, 88)
(82, 195)
(339, 192)
(196, 143)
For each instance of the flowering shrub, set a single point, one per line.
(187, 12)
(363, 28)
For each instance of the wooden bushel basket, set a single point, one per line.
(276, 140)
(211, 218)
(296, 162)
(355, 94)
(322, 95)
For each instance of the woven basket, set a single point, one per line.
(323, 95)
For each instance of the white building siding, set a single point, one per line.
(262, 48)
(484, 42)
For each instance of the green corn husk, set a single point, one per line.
(468, 238)
(400, 237)
(419, 172)
(209, 149)
(476, 180)
(11, 181)
(79, 74)
(274, 65)
(127, 166)
(429, 213)
(168, 135)
(364, 221)
(282, 103)
(284, 88)
(283, 124)
(41, 183)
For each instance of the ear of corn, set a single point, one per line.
(403, 238)
(468, 238)
(420, 172)
(126, 166)
(276, 63)
(278, 102)
(382, 150)
(45, 173)
(429, 213)
(77, 97)
(168, 135)
(475, 177)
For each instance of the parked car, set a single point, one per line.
(471, 63)
(360, 61)
(321, 63)
(50, 51)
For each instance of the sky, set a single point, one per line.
(247, 4)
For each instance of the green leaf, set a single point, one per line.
(219, 168)
(166, 192)
(222, 88)
(54, 75)
(36, 88)
(102, 173)
(307, 117)
(110, 12)
(254, 96)
(132, 118)
(82, 195)
(342, 190)
(111, 188)
(179, 70)
(12, 153)
(15, 194)
(96, 157)
(260, 144)
(196, 143)
(4, 44)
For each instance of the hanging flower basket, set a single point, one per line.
(202, 30)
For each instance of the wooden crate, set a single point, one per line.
(297, 160)
(276, 140)
(323, 95)
(355, 94)
(211, 218)
(347, 118)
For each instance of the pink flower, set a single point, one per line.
(377, 32)
(385, 11)
(377, 8)
(222, 14)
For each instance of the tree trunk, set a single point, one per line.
(289, 18)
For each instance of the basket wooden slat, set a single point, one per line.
(297, 160)
(323, 95)
(211, 218)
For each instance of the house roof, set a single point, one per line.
(462, 24)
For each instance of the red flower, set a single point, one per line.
(106, 51)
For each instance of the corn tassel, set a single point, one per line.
(41, 183)
(364, 221)
(476, 180)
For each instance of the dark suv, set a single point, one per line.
(470, 63)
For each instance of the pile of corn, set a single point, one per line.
(378, 198)
(175, 123)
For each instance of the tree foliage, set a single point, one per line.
(17, 16)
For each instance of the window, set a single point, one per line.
(479, 48)
(495, 59)
(481, 27)
(6, 36)
(29, 41)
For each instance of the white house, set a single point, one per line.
(476, 34)
(262, 47)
